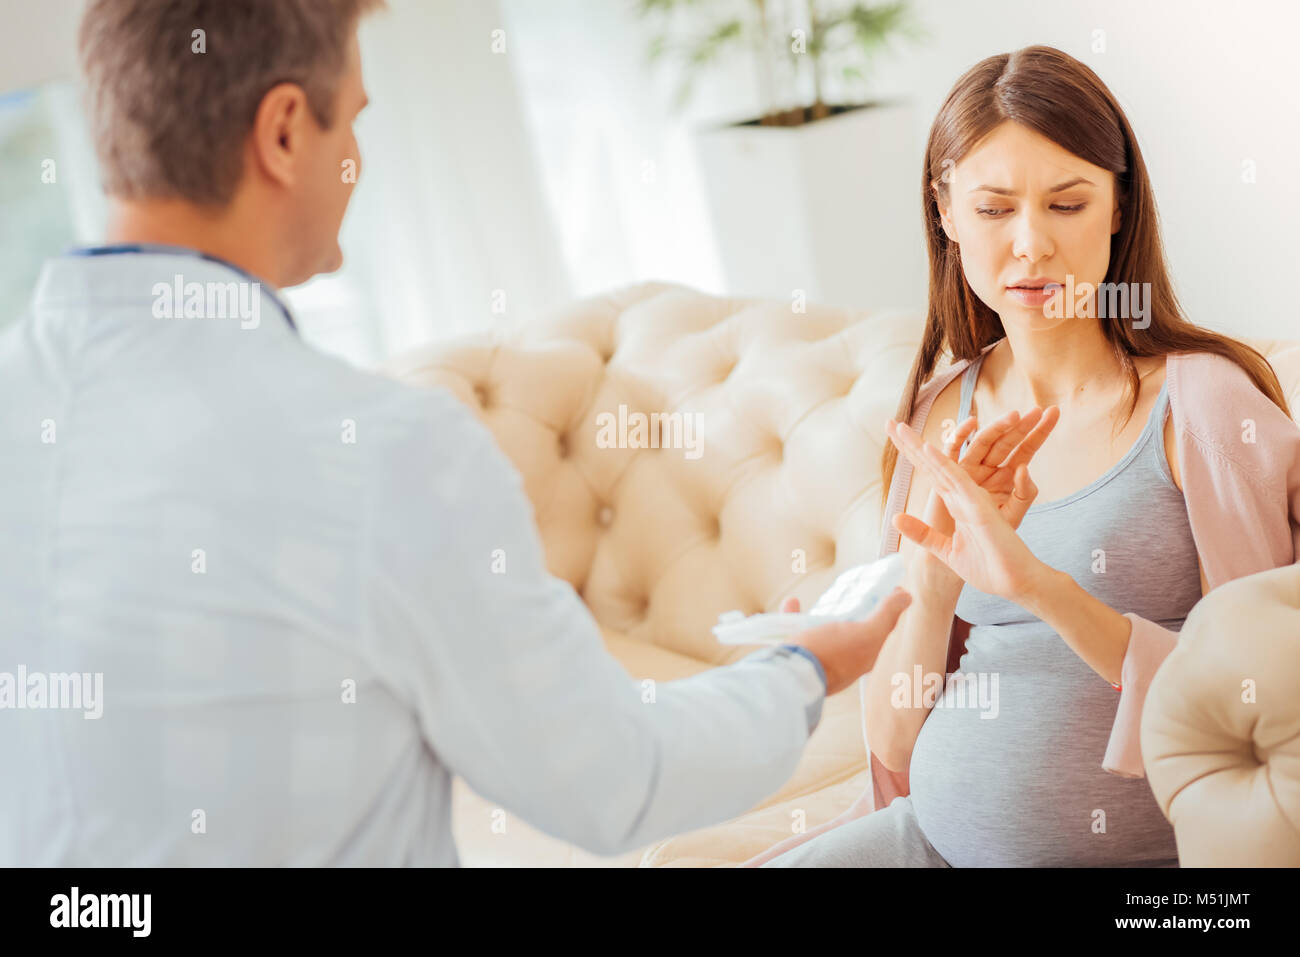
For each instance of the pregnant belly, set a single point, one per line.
(1013, 777)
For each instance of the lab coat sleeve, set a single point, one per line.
(510, 678)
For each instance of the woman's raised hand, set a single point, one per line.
(980, 543)
(995, 454)
(997, 451)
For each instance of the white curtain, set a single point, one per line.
(448, 231)
(618, 163)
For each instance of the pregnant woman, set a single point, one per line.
(1164, 463)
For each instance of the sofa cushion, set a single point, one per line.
(784, 494)
(1221, 726)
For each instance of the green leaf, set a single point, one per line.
(658, 49)
(707, 49)
(874, 25)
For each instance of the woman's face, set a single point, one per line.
(1014, 222)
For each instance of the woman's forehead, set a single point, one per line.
(1018, 158)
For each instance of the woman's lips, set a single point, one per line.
(1032, 297)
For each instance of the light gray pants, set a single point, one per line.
(890, 837)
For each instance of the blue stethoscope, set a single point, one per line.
(148, 248)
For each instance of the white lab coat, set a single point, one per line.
(301, 638)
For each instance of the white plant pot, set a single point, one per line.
(830, 209)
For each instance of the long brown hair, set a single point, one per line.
(1060, 98)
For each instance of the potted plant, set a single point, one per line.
(816, 194)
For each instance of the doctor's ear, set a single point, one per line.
(280, 132)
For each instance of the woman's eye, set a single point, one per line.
(994, 212)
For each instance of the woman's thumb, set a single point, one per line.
(1023, 493)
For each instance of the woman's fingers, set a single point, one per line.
(951, 481)
(1010, 442)
(790, 605)
(1035, 439)
(961, 495)
(1023, 493)
(947, 474)
(952, 448)
(1007, 442)
(983, 442)
(909, 444)
(919, 533)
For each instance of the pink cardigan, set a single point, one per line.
(1242, 489)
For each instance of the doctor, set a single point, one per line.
(280, 566)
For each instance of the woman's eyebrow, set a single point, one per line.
(1055, 189)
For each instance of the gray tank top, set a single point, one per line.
(1007, 768)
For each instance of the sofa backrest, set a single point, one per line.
(688, 454)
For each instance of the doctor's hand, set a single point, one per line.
(982, 548)
(848, 649)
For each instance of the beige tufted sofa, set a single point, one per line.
(782, 493)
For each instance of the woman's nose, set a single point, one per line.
(1032, 239)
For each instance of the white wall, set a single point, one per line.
(37, 41)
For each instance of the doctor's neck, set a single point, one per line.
(233, 233)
